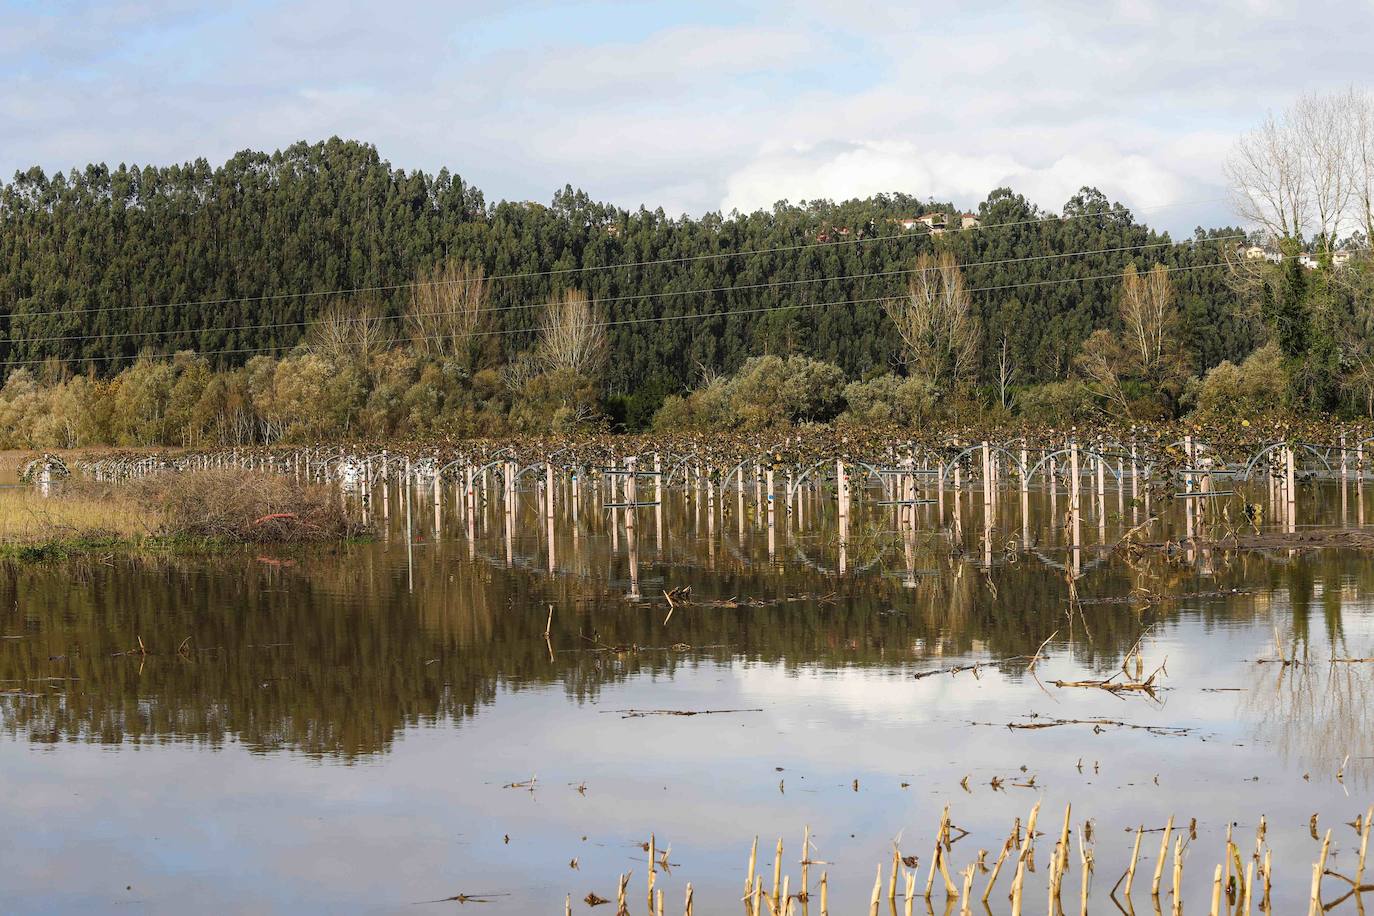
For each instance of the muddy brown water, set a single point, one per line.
(338, 730)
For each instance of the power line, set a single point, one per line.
(685, 259)
(646, 319)
(372, 319)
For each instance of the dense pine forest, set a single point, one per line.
(243, 268)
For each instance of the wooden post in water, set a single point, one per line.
(631, 509)
(1025, 498)
(1075, 508)
(1101, 494)
(548, 490)
(438, 501)
(386, 488)
(787, 496)
(576, 498)
(470, 498)
(1345, 475)
(739, 501)
(509, 488)
(658, 502)
(1359, 485)
(842, 498)
(768, 483)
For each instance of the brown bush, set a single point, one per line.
(243, 506)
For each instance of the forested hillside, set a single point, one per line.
(97, 266)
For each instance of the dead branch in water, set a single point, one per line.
(640, 713)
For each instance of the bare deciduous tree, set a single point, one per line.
(936, 322)
(1360, 159)
(1323, 127)
(571, 336)
(1268, 179)
(1310, 168)
(1148, 312)
(446, 308)
(346, 332)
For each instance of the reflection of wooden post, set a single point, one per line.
(410, 536)
(1292, 489)
(632, 545)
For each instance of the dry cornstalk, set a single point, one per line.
(997, 867)
(1178, 876)
(1163, 857)
(1268, 879)
(1086, 864)
(1364, 845)
(1135, 856)
(777, 873)
(749, 876)
(652, 863)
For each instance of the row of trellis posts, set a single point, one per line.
(905, 476)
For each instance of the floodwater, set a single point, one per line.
(367, 728)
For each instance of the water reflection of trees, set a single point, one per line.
(1316, 714)
(335, 654)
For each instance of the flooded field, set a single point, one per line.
(506, 706)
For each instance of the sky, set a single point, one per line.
(692, 107)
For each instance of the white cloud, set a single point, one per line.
(859, 170)
(690, 107)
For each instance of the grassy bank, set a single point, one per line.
(189, 510)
